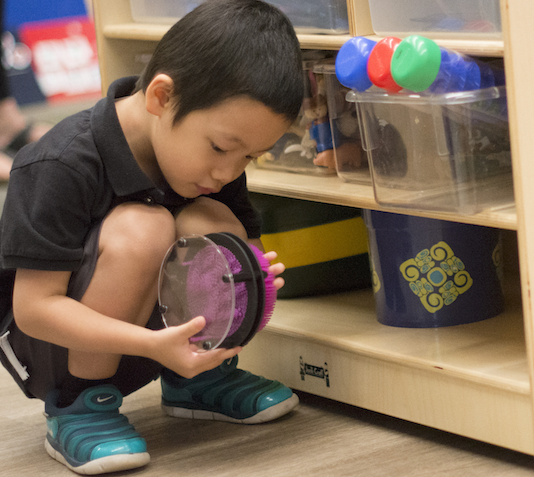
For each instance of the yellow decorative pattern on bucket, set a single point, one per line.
(436, 276)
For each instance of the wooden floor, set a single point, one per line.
(320, 438)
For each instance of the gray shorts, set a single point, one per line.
(39, 367)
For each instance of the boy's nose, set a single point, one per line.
(225, 175)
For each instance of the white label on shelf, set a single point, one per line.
(315, 370)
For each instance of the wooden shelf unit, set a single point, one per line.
(473, 380)
(332, 190)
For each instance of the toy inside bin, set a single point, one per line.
(348, 155)
(448, 152)
(432, 273)
(307, 147)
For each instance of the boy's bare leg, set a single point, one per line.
(133, 241)
(205, 216)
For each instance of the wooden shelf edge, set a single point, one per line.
(475, 47)
(437, 367)
(135, 31)
(154, 32)
(333, 190)
(487, 353)
(323, 42)
(498, 415)
(469, 47)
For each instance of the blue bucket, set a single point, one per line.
(431, 273)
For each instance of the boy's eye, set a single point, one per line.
(222, 151)
(217, 148)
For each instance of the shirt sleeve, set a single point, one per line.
(47, 214)
(235, 196)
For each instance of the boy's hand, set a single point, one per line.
(174, 351)
(275, 269)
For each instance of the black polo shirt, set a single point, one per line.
(64, 184)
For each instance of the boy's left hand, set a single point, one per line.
(275, 269)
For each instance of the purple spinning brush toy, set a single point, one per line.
(220, 277)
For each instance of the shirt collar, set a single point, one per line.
(124, 174)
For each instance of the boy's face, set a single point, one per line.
(209, 148)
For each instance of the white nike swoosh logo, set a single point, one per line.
(100, 399)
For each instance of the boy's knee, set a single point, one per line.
(206, 216)
(138, 230)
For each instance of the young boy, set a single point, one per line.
(92, 209)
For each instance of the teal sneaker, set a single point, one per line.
(226, 394)
(90, 436)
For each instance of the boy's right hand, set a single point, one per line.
(173, 350)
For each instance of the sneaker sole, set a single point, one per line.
(269, 414)
(103, 465)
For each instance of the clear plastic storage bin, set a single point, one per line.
(307, 147)
(466, 19)
(307, 16)
(348, 155)
(161, 11)
(448, 152)
(316, 16)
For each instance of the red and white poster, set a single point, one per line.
(64, 57)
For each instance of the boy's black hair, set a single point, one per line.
(228, 48)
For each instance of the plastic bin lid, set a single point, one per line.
(379, 64)
(415, 63)
(351, 63)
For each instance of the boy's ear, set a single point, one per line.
(158, 94)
